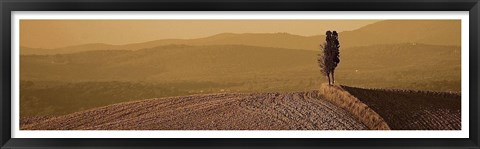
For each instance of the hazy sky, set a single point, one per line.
(61, 33)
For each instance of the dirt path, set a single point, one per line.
(256, 111)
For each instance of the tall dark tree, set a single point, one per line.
(330, 56)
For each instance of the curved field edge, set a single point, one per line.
(343, 99)
(252, 111)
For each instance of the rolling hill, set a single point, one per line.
(434, 32)
(308, 110)
(172, 62)
(255, 111)
(98, 78)
(423, 67)
(394, 66)
(247, 81)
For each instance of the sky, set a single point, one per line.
(61, 33)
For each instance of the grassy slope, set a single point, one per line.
(341, 98)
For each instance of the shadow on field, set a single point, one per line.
(413, 110)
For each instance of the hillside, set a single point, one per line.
(434, 32)
(407, 66)
(419, 66)
(406, 73)
(331, 108)
(167, 63)
(99, 78)
(254, 111)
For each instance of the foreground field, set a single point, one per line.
(330, 108)
(256, 111)
(413, 110)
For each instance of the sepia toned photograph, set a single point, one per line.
(315, 74)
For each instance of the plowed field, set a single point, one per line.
(255, 111)
(413, 110)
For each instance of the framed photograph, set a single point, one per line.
(239, 74)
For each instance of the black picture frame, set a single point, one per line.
(7, 6)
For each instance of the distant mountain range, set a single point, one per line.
(434, 32)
